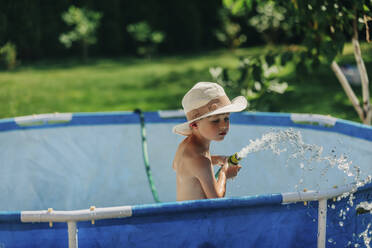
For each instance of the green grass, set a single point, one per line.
(158, 84)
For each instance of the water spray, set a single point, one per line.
(275, 141)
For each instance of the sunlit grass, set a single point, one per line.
(157, 84)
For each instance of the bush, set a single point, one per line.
(230, 33)
(147, 39)
(8, 56)
(255, 77)
(271, 22)
(85, 23)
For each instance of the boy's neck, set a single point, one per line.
(200, 141)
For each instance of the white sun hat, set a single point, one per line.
(206, 99)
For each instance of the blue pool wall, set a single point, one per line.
(252, 221)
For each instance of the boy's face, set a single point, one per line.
(214, 127)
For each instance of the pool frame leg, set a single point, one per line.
(322, 223)
(72, 234)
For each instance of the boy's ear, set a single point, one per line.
(193, 124)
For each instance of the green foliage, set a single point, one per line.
(8, 56)
(85, 23)
(326, 25)
(271, 21)
(238, 6)
(35, 26)
(254, 77)
(268, 16)
(147, 39)
(230, 33)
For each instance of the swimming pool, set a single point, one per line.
(105, 180)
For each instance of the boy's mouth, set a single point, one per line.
(222, 133)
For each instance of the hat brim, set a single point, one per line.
(237, 104)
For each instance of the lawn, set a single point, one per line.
(158, 84)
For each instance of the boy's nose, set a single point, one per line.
(224, 124)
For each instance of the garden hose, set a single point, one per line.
(146, 157)
(232, 160)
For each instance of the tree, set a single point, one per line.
(271, 21)
(327, 25)
(85, 23)
(230, 32)
(8, 56)
(146, 38)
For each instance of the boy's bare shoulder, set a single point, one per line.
(189, 157)
(197, 158)
(194, 159)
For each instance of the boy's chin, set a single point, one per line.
(219, 138)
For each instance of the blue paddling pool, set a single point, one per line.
(106, 180)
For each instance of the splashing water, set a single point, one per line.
(366, 236)
(280, 141)
(299, 149)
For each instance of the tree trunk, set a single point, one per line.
(367, 113)
(347, 88)
(364, 111)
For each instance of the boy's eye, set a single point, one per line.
(216, 121)
(227, 118)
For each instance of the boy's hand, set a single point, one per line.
(230, 171)
(219, 160)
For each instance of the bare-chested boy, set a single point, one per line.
(207, 110)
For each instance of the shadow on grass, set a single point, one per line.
(70, 63)
(106, 63)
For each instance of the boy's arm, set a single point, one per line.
(202, 168)
(220, 160)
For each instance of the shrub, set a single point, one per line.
(230, 33)
(8, 56)
(254, 78)
(147, 39)
(271, 22)
(85, 23)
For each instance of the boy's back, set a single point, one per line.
(186, 159)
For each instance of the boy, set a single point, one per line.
(207, 111)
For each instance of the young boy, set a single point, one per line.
(207, 111)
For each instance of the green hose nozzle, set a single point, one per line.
(232, 160)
